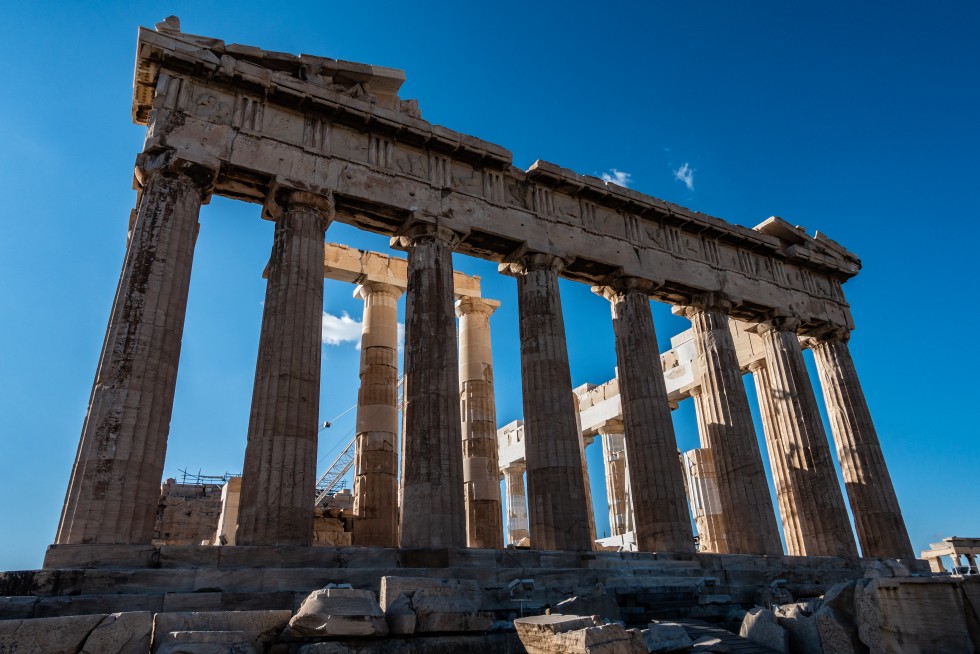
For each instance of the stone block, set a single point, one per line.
(339, 612)
(971, 607)
(87, 604)
(205, 642)
(797, 619)
(841, 597)
(400, 617)
(540, 634)
(836, 631)
(760, 625)
(183, 602)
(259, 626)
(189, 556)
(598, 602)
(912, 614)
(707, 644)
(64, 635)
(100, 556)
(665, 637)
(484, 644)
(121, 633)
(440, 605)
(17, 608)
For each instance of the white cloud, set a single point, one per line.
(344, 329)
(685, 174)
(340, 329)
(617, 177)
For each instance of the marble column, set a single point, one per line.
(115, 483)
(517, 523)
(481, 475)
(702, 485)
(376, 449)
(433, 514)
(614, 460)
(584, 442)
(661, 519)
(877, 515)
(747, 512)
(813, 496)
(279, 474)
(717, 541)
(559, 515)
(777, 458)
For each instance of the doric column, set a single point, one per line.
(279, 474)
(777, 458)
(432, 510)
(115, 483)
(716, 540)
(614, 461)
(662, 522)
(813, 496)
(559, 516)
(750, 522)
(877, 515)
(481, 474)
(517, 525)
(376, 449)
(702, 484)
(584, 442)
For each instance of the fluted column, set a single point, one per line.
(584, 442)
(559, 517)
(614, 461)
(877, 515)
(813, 496)
(115, 483)
(481, 475)
(432, 510)
(717, 540)
(517, 524)
(747, 512)
(279, 474)
(661, 520)
(777, 458)
(702, 486)
(376, 454)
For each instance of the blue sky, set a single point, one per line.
(858, 119)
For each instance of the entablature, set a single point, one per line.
(267, 121)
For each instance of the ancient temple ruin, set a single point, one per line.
(310, 141)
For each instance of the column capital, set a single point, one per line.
(514, 468)
(281, 200)
(415, 232)
(366, 289)
(530, 261)
(757, 365)
(712, 301)
(830, 334)
(201, 174)
(624, 286)
(778, 324)
(610, 427)
(469, 304)
(694, 391)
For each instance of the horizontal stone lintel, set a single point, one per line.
(387, 168)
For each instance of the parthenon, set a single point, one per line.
(313, 141)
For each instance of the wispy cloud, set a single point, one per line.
(617, 177)
(340, 329)
(685, 174)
